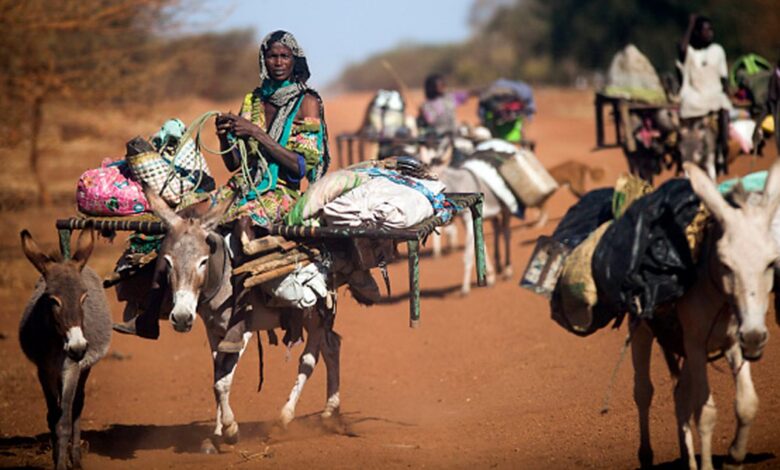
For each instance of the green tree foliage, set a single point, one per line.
(556, 40)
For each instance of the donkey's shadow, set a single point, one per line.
(122, 441)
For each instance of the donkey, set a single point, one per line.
(698, 143)
(461, 180)
(65, 330)
(723, 312)
(199, 273)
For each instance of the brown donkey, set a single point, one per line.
(65, 330)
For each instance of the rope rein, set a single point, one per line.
(194, 132)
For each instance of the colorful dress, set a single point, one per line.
(272, 192)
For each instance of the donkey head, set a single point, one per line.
(746, 254)
(697, 144)
(65, 292)
(188, 245)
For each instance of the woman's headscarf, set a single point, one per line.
(285, 96)
(300, 69)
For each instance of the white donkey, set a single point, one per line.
(461, 180)
(192, 250)
(724, 312)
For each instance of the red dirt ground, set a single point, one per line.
(487, 381)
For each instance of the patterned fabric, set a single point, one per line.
(269, 208)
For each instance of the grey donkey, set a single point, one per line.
(65, 330)
(199, 271)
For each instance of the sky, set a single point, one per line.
(335, 33)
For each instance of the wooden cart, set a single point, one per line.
(412, 236)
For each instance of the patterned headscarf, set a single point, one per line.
(300, 68)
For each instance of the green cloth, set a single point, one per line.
(511, 131)
(752, 182)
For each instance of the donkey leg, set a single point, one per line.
(436, 237)
(683, 412)
(224, 370)
(745, 403)
(78, 407)
(497, 230)
(700, 401)
(70, 380)
(451, 232)
(308, 361)
(331, 351)
(641, 350)
(506, 221)
(705, 420)
(53, 410)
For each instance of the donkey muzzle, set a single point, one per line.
(752, 343)
(75, 344)
(182, 316)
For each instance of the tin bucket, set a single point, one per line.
(545, 266)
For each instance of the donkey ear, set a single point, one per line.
(705, 188)
(212, 218)
(772, 189)
(161, 208)
(84, 246)
(33, 252)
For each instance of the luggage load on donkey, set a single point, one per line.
(514, 175)
(628, 250)
(345, 224)
(172, 165)
(503, 107)
(645, 120)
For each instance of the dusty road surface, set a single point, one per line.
(487, 381)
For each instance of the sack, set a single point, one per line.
(172, 176)
(109, 191)
(575, 294)
(386, 114)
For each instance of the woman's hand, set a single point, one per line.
(224, 124)
(238, 126)
(243, 127)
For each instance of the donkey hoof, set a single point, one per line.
(286, 417)
(491, 279)
(507, 273)
(230, 434)
(208, 447)
(329, 413)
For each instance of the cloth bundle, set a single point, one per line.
(110, 191)
(381, 203)
(299, 289)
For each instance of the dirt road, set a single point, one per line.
(487, 381)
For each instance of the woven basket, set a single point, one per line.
(172, 177)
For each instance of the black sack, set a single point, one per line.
(643, 260)
(584, 217)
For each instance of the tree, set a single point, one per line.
(83, 50)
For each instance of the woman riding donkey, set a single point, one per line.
(281, 127)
